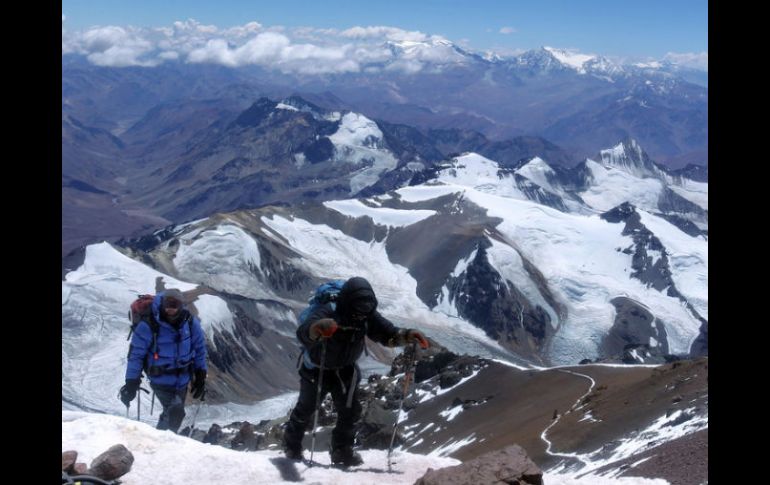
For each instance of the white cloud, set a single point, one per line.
(298, 50)
(693, 60)
(389, 33)
(113, 46)
(250, 28)
(168, 55)
(503, 52)
(192, 25)
(507, 30)
(276, 50)
(409, 66)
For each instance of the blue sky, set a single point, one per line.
(621, 28)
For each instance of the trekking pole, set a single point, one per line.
(407, 376)
(318, 397)
(152, 403)
(139, 403)
(195, 414)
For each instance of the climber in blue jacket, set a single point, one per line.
(169, 346)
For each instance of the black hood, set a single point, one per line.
(356, 294)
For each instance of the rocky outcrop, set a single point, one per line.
(636, 334)
(112, 464)
(700, 345)
(511, 465)
(482, 296)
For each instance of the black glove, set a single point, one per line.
(199, 384)
(128, 391)
(417, 336)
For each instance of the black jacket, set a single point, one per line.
(347, 344)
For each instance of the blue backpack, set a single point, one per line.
(326, 293)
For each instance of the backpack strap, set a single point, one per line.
(155, 329)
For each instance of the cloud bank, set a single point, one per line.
(301, 50)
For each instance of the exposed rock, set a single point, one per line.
(113, 463)
(214, 434)
(511, 465)
(68, 459)
(700, 345)
(246, 439)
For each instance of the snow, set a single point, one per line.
(272, 408)
(509, 264)
(163, 457)
(612, 185)
(577, 254)
(95, 301)
(538, 171)
(428, 395)
(224, 257)
(577, 257)
(383, 216)
(450, 413)
(558, 479)
(286, 107)
(218, 315)
(444, 303)
(687, 259)
(475, 171)
(419, 193)
(359, 140)
(660, 431)
(331, 254)
(570, 58)
(450, 446)
(696, 192)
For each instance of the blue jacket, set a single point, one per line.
(179, 351)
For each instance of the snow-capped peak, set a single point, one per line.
(434, 50)
(648, 65)
(570, 58)
(296, 103)
(630, 156)
(538, 171)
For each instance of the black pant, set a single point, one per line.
(172, 400)
(338, 382)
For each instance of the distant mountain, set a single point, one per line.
(581, 102)
(517, 253)
(187, 160)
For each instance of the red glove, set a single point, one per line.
(323, 328)
(417, 336)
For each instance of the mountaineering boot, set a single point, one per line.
(292, 447)
(292, 450)
(293, 453)
(345, 457)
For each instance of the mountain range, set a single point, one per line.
(530, 215)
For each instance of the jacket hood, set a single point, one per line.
(356, 293)
(157, 306)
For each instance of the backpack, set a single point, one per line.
(325, 293)
(141, 309)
